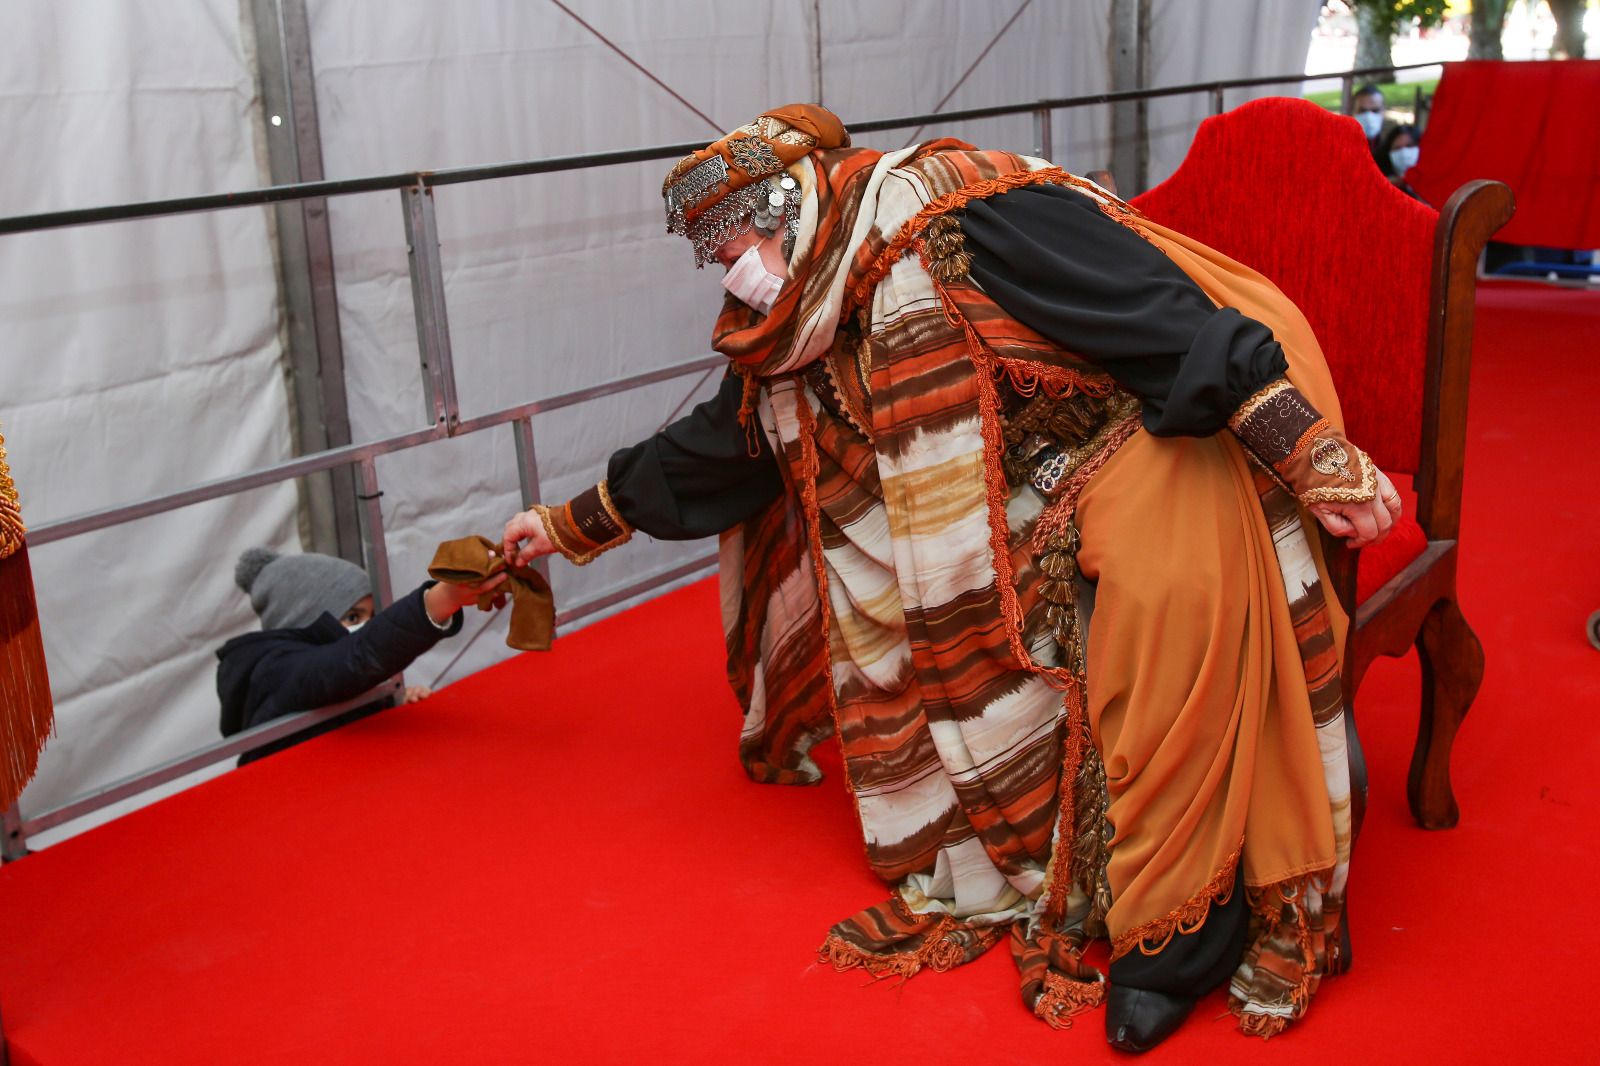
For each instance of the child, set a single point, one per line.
(321, 642)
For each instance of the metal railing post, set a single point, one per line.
(373, 546)
(14, 842)
(1347, 95)
(1043, 134)
(427, 298)
(1219, 102)
(528, 476)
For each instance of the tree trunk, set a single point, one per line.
(1374, 39)
(1488, 26)
(1569, 27)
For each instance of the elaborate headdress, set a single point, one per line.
(739, 181)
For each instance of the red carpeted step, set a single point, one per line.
(559, 860)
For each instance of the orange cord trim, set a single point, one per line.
(1027, 378)
(950, 201)
(810, 468)
(1150, 937)
(1059, 871)
(980, 190)
(1057, 518)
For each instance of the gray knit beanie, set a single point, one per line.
(292, 591)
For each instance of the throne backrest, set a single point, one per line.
(1291, 190)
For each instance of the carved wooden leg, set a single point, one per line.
(1452, 670)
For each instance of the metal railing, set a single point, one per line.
(439, 381)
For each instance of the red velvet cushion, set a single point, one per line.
(1388, 557)
(1290, 190)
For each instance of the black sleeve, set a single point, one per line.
(324, 674)
(696, 477)
(1052, 260)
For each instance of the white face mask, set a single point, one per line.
(1403, 159)
(356, 627)
(1371, 122)
(750, 280)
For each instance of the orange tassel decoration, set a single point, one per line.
(27, 717)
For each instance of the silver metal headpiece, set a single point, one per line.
(767, 206)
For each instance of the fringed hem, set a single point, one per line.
(938, 953)
(1258, 1023)
(1267, 1019)
(1150, 937)
(1064, 998)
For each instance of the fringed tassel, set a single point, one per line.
(1063, 998)
(27, 716)
(747, 409)
(944, 251)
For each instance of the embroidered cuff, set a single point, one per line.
(1284, 431)
(585, 526)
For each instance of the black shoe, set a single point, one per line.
(1138, 1019)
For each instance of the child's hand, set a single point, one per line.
(414, 693)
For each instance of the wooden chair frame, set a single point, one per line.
(1418, 606)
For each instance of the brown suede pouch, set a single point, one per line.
(533, 609)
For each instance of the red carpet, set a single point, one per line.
(559, 860)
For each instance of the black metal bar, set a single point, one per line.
(384, 182)
(274, 194)
(238, 744)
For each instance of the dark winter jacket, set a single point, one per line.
(266, 675)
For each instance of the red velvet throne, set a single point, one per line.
(1387, 283)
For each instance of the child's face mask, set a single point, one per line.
(1403, 159)
(357, 626)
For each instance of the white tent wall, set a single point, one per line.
(143, 357)
(565, 280)
(1213, 41)
(137, 358)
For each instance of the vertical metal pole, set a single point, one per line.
(304, 246)
(374, 547)
(1347, 95)
(1043, 139)
(1218, 101)
(1130, 126)
(528, 475)
(13, 839)
(427, 298)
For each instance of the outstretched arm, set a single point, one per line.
(697, 477)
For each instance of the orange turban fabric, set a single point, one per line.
(711, 194)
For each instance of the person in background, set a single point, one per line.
(1366, 107)
(322, 642)
(1398, 150)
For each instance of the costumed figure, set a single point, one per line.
(1012, 486)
